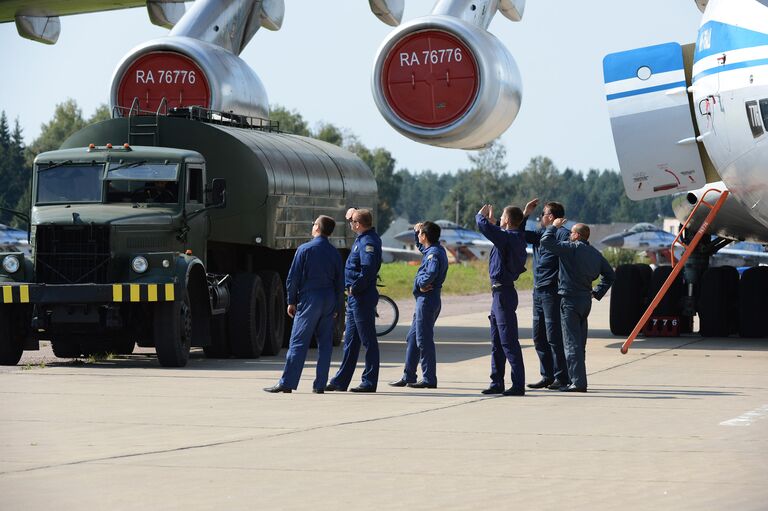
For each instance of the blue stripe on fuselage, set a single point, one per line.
(716, 38)
(661, 58)
(731, 67)
(645, 90)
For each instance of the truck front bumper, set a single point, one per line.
(86, 293)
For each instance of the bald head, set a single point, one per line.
(582, 230)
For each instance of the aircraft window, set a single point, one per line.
(69, 183)
(764, 111)
(195, 186)
(644, 73)
(753, 115)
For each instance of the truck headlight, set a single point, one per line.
(10, 264)
(139, 264)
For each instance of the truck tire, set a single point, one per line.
(65, 346)
(173, 332)
(120, 346)
(628, 298)
(275, 317)
(11, 343)
(219, 347)
(718, 302)
(753, 301)
(247, 316)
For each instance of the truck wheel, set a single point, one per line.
(65, 347)
(275, 296)
(11, 344)
(628, 297)
(247, 316)
(753, 301)
(120, 346)
(219, 347)
(173, 332)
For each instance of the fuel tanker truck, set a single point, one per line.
(171, 230)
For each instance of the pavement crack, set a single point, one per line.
(242, 440)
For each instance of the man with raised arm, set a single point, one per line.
(506, 263)
(427, 286)
(360, 274)
(580, 265)
(547, 333)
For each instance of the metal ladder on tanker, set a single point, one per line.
(140, 131)
(677, 266)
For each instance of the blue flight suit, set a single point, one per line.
(420, 341)
(315, 285)
(506, 263)
(547, 332)
(580, 265)
(360, 275)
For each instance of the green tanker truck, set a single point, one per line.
(171, 231)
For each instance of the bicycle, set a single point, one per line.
(387, 315)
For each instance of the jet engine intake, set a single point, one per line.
(443, 81)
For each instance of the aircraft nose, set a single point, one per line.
(614, 240)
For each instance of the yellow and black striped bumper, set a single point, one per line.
(87, 293)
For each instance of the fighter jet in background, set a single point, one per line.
(656, 243)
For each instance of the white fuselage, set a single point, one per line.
(730, 78)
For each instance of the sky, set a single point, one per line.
(319, 64)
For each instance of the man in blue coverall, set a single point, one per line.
(360, 274)
(547, 333)
(580, 265)
(506, 263)
(315, 285)
(427, 286)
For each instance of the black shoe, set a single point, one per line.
(573, 388)
(557, 385)
(422, 385)
(493, 390)
(514, 391)
(277, 388)
(398, 383)
(362, 388)
(318, 391)
(544, 382)
(332, 387)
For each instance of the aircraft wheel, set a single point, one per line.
(753, 302)
(247, 316)
(628, 296)
(718, 302)
(671, 304)
(275, 305)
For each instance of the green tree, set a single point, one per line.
(290, 121)
(102, 113)
(382, 164)
(67, 118)
(330, 133)
(14, 172)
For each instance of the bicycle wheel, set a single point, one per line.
(387, 315)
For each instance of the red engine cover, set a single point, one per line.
(430, 78)
(163, 74)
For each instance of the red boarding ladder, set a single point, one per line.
(678, 266)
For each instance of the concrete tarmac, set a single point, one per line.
(678, 423)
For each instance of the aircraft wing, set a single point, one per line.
(38, 20)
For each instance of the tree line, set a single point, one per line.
(593, 196)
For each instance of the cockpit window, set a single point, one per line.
(140, 181)
(143, 171)
(57, 183)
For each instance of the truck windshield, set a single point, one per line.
(142, 182)
(69, 183)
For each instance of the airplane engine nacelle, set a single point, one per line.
(442, 81)
(187, 72)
